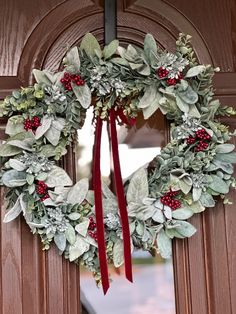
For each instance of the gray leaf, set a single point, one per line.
(90, 44)
(72, 59)
(60, 241)
(229, 157)
(110, 49)
(78, 192)
(8, 150)
(58, 177)
(83, 94)
(218, 185)
(70, 234)
(138, 187)
(207, 200)
(14, 178)
(14, 211)
(185, 229)
(82, 228)
(158, 216)
(194, 71)
(196, 194)
(17, 164)
(118, 253)
(54, 132)
(183, 213)
(164, 244)
(42, 129)
(224, 148)
(78, 248)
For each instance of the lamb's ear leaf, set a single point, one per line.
(41, 77)
(90, 44)
(110, 49)
(138, 187)
(14, 211)
(164, 244)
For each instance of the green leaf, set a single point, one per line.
(72, 60)
(58, 177)
(54, 132)
(29, 178)
(42, 176)
(83, 94)
(224, 148)
(82, 228)
(14, 211)
(185, 229)
(148, 97)
(196, 193)
(183, 106)
(197, 207)
(90, 44)
(13, 178)
(78, 248)
(183, 213)
(24, 144)
(70, 234)
(45, 125)
(120, 61)
(78, 192)
(138, 187)
(74, 216)
(150, 47)
(207, 200)
(14, 125)
(118, 253)
(158, 216)
(194, 71)
(110, 49)
(7, 150)
(189, 95)
(41, 77)
(16, 164)
(150, 110)
(184, 185)
(229, 157)
(226, 167)
(164, 244)
(218, 185)
(60, 241)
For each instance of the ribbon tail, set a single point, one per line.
(121, 197)
(97, 186)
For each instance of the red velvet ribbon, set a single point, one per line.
(97, 186)
(121, 197)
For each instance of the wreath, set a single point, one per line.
(95, 227)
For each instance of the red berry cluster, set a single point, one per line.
(201, 137)
(92, 226)
(32, 124)
(42, 190)
(68, 78)
(163, 73)
(168, 200)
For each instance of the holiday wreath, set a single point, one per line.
(94, 227)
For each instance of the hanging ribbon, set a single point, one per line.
(97, 187)
(121, 197)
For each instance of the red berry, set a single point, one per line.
(162, 72)
(190, 140)
(171, 81)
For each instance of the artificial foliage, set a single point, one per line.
(183, 180)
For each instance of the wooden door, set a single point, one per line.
(35, 34)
